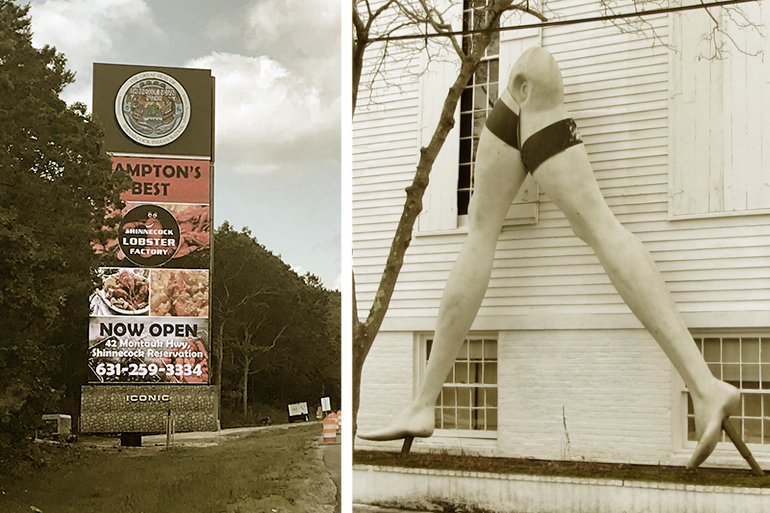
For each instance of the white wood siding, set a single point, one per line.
(618, 88)
(384, 157)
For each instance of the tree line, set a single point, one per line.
(277, 335)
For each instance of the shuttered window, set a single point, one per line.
(451, 183)
(720, 147)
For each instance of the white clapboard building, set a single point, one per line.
(556, 366)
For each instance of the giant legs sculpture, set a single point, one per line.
(541, 139)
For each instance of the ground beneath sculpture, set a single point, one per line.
(577, 469)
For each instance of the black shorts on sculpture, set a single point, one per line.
(541, 145)
(504, 123)
(550, 141)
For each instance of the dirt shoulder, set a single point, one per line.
(274, 469)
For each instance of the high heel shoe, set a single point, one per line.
(721, 401)
(405, 448)
(409, 424)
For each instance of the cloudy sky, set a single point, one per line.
(277, 69)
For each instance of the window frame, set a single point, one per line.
(686, 422)
(476, 102)
(424, 341)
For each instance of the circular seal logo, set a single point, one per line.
(149, 235)
(152, 108)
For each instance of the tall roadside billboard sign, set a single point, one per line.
(148, 333)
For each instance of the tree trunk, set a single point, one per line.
(359, 47)
(245, 387)
(219, 351)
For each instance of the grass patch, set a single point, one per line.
(277, 468)
(576, 469)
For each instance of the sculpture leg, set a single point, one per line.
(498, 177)
(569, 181)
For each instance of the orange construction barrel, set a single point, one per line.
(330, 428)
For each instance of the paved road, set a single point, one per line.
(196, 438)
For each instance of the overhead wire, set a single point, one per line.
(558, 23)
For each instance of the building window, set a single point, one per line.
(468, 400)
(744, 362)
(477, 100)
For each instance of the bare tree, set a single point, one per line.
(246, 351)
(229, 303)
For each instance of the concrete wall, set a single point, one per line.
(517, 493)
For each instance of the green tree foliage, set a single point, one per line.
(56, 185)
(276, 334)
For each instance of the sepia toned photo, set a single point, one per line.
(171, 256)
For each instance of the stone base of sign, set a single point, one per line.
(146, 408)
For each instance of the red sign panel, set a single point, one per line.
(162, 180)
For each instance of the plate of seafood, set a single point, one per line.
(127, 291)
